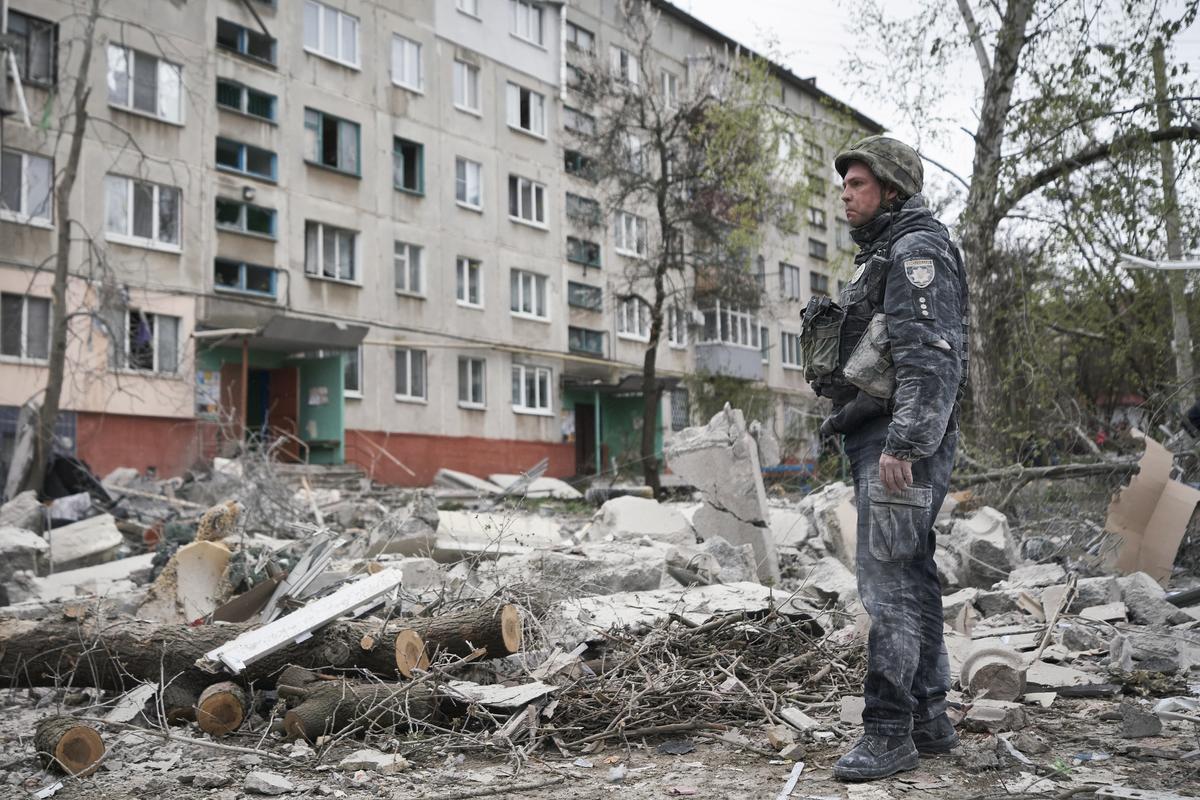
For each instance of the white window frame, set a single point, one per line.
(322, 48)
(523, 15)
(669, 84)
(817, 217)
(468, 270)
(466, 88)
(467, 368)
(789, 350)
(355, 394)
(535, 189)
(465, 184)
(733, 327)
(164, 74)
(409, 360)
(573, 31)
(789, 276)
(318, 272)
(23, 215)
(635, 150)
(407, 257)
(156, 369)
(529, 289)
(541, 406)
(677, 327)
(400, 64)
(633, 319)
(24, 357)
(154, 242)
(624, 65)
(630, 229)
(468, 7)
(537, 110)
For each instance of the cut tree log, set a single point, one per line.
(66, 744)
(410, 652)
(496, 627)
(996, 673)
(178, 703)
(221, 708)
(117, 654)
(329, 707)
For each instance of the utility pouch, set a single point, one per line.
(870, 366)
(819, 337)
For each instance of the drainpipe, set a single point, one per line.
(596, 425)
(245, 386)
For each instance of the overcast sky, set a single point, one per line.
(813, 38)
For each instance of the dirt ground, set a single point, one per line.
(1072, 749)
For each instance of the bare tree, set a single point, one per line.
(691, 172)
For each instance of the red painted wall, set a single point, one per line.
(425, 455)
(108, 441)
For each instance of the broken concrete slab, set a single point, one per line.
(115, 577)
(24, 511)
(947, 563)
(995, 716)
(721, 460)
(715, 561)
(408, 531)
(1078, 637)
(81, 544)
(710, 521)
(790, 527)
(589, 569)
(463, 534)
(636, 517)
(22, 549)
(1094, 592)
(1109, 612)
(835, 516)
(1147, 601)
(985, 547)
(374, 760)
(830, 582)
(1045, 676)
(1138, 722)
(267, 783)
(453, 479)
(1033, 576)
(539, 488)
(851, 709)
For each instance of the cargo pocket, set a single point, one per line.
(899, 522)
(819, 342)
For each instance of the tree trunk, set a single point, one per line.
(56, 367)
(651, 391)
(494, 626)
(67, 745)
(120, 654)
(330, 707)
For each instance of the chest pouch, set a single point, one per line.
(819, 337)
(869, 366)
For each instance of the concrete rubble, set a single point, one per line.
(487, 613)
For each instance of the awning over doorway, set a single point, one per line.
(285, 334)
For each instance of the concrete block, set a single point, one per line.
(463, 534)
(1147, 602)
(90, 541)
(590, 569)
(851, 709)
(1094, 592)
(790, 527)
(985, 547)
(947, 567)
(829, 581)
(22, 549)
(1079, 637)
(995, 716)
(710, 522)
(836, 518)
(374, 760)
(1137, 722)
(1034, 576)
(721, 460)
(636, 517)
(24, 511)
(408, 531)
(735, 563)
(991, 604)
(953, 604)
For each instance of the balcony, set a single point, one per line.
(729, 360)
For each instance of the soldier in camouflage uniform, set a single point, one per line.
(901, 447)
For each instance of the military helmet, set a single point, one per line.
(890, 160)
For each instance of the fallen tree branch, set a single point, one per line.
(1026, 474)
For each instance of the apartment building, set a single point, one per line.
(354, 226)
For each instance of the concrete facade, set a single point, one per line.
(207, 290)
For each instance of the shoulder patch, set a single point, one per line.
(919, 271)
(858, 273)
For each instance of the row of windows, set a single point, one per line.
(532, 386)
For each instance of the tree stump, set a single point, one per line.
(221, 708)
(178, 704)
(330, 707)
(495, 627)
(410, 653)
(66, 744)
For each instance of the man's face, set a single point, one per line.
(862, 194)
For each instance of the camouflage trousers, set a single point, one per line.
(908, 672)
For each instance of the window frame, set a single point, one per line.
(818, 283)
(669, 86)
(626, 220)
(155, 369)
(514, 29)
(469, 402)
(127, 237)
(243, 208)
(574, 256)
(466, 183)
(789, 350)
(467, 72)
(818, 250)
(468, 270)
(512, 113)
(639, 310)
(24, 346)
(789, 281)
(677, 327)
(42, 25)
(243, 269)
(458, 6)
(398, 145)
(244, 100)
(573, 31)
(732, 327)
(127, 105)
(317, 271)
(515, 184)
(342, 16)
(520, 404)
(573, 291)
(243, 49)
(24, 216)
(243, 151)
(357, 362)
(572, 114)
(623, 65)
(538, 291)
(313, 159)
(409, 249)
(583, 334)
(817, 217)
(419, 85)
(408, 396)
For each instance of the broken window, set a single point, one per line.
(410, 374)
(472, 373)
(528, 294)
(151, 342)
(145, 213)
(585, 340)
(244, 100)
(469, 280)
(141, 82)
(330, 141)
(408, 260)
(245, 158)
(406, 63)
(764, 343)
(466, 86)
(526, 110)
(24, 326)
(245, 41)
(330, 252)
(408, 165)
(468, 180)
(35, 46)
(25, 184)
(234, 215)
(330, 33)
(241, 276)
(530, 389)
(526, 200)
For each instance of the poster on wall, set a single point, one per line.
(318, 396)
(208, 393)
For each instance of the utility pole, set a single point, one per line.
(1181, 343)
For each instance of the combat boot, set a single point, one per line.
(936, 736)
(874, 757)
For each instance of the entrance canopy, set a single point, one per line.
(284, 334)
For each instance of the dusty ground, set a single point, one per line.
(140, 765)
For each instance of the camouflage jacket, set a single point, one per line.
(909, 269)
